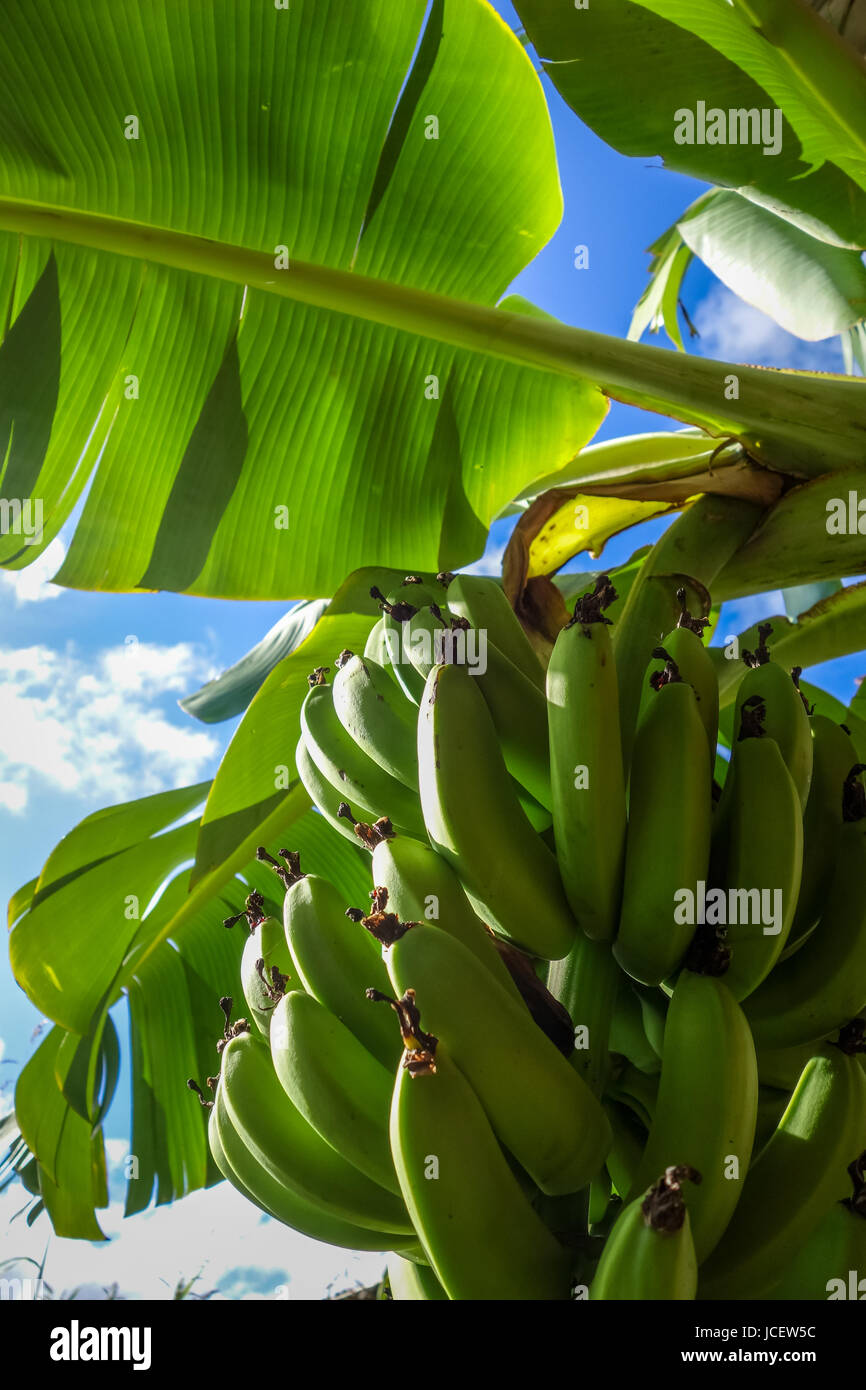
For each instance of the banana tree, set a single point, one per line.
(256, 338)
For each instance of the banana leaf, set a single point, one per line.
(231, 691)
(671, 54)
(237, 442)
(169, 969)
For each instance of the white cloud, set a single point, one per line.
(91, 724)
(217, 1233)
(733, 331)
(31, 585)
(13, 795)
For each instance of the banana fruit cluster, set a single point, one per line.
(601, 1030)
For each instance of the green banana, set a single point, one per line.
(481, 1236)
(636, 1090)
(282, 1141)
(600, 1196)
(425, 635)
(540, 819)
(335, 1083)
(335, 962)
(422, 887)
(684, 647)
(474, 820)
(265, 968)
(694, 549)
(482, 602)
(627, 1036)
(824, 984)
(831, 1265)
(519, 713)
(764, 861)
(773, 1101)
(668, 838)
(796, 1179)
(244, 1172)
(346, 766)
(324, 797)
(372, 709)
(654, 1010)
(586, 774)
(650, 1253)
(785, 719)
(586, 983)
(629, 1141)
(834, 757)
(539, 1107)
(517, 706)
(707, 1103)
(398, 607)
(782, 1067)
(523, 744)
(409, 1280)
(377, 649)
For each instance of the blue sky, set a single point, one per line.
(89, 686)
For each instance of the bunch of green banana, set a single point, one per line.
(624, 971)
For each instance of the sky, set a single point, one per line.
(89, 685)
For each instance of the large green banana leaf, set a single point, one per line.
(249, 446)
(230, 692)
(259, 426)
(79, 949)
